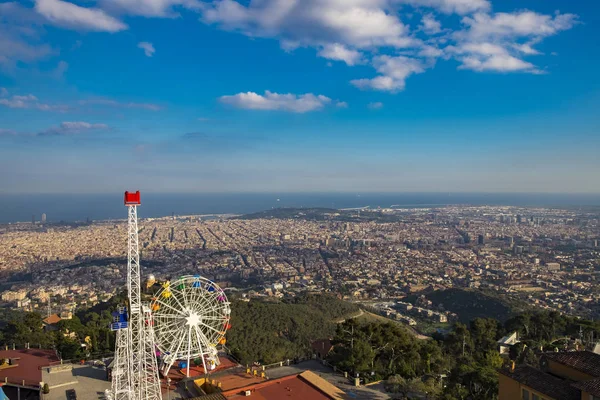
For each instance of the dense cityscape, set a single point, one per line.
(546, 257)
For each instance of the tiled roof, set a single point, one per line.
(52, 319)
(583, 361)
(544, 383)
(591, 386)
(329, 389)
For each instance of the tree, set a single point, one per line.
(46, 388)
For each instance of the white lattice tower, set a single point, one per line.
(134, 291)
(150, 383)
(121, 386)
(142, 371)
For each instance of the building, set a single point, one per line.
(321, 348)
(14, 296)
(43, 218)
(21, 371)
(553, 266)
(507, 342)
(304, 386)
(573, 375)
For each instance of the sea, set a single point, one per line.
(82, 207)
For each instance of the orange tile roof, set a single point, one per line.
(293, 387)
(51, 320)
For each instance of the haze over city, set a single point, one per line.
(317, 96)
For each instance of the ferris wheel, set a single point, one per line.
(191, 316)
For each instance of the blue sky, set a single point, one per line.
(299, 95)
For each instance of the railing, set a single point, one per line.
(25, 383)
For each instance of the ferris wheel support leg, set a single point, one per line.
(202, 356)
(189, 350)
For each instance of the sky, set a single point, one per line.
(100, 96)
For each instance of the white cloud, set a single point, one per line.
(117, 104)
(518, 24)
(393, 70)
(497, 42)
(451, 6)
(3, 92)
(375, 105)
(151, 8)
(341, 104)
(368, 31)
(428, 51)
(355, 23)
(500, 63)
(430, 25)
(147, 47)
(28, 101)
(72, 128)
(274, 101)
(489, 57)
(72, 16)
(339, 52)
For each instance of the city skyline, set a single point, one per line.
(269, 96)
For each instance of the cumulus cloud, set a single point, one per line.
(118, 104)
(28, 101)
(151, 8)
(393, 70)
(339, 52)
(517, 24)
(360, 31)
(69, 15)
(489, 57)
(147, 47)
(275, 101)
(72, 128)
(498, 42)
(430, 25)
(451, 6)
(375, 105)
(318, 23)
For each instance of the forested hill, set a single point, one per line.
(270, 332)
(471, 304)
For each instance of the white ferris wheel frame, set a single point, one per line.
(191, 315)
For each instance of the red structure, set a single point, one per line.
(132, 199)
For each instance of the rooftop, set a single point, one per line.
(27, 365)
(543, 382)
(583, 361)
(592, 386)
(305, 386)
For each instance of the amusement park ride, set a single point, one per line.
(185, 321)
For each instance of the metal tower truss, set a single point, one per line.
(150, 383)
(136, 345)
(121, 386)
(135, 353)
